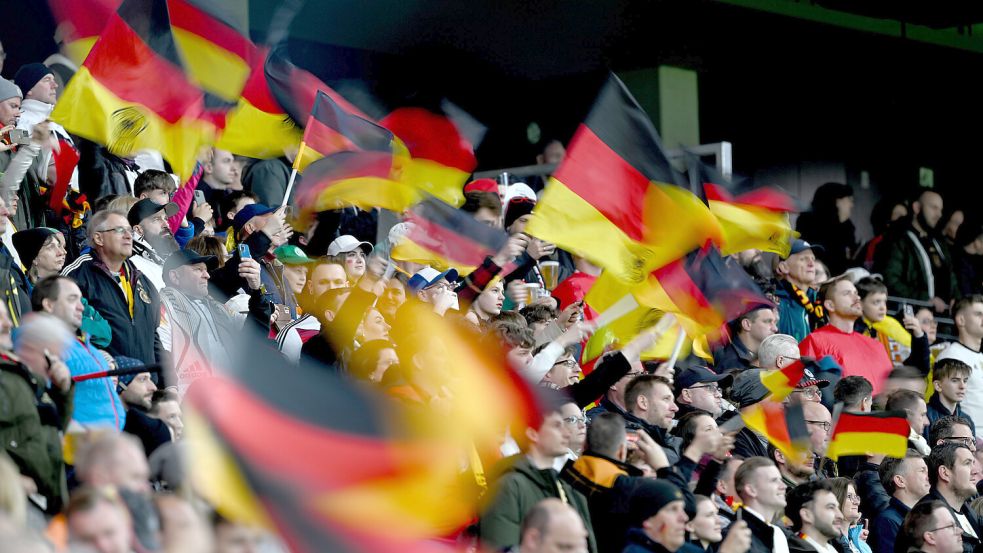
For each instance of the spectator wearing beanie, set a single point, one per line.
(37, 82)
(659, 518)
(20, 164)
(42, 252)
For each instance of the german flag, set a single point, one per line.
(783, 426)
(332, 129)
(361, 179)
(781, 382)
(79, 24)
(434, 154)
(612, 199)
(214, 40)
(258, 127)
(282, 447)
(132, 92)
(879, 432)
(296, 89)
(756, 219)
(445, 236)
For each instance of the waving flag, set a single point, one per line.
(756, 219)
(79, 24)
(783, 426)
(214, 40)
(781, 382)
(330, 129)
(879, 432)
(612, 199)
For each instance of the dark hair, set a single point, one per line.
(967, 233)
(687, 427)
(537, 518)
(473, 201)
(825, 197)
(906, 372)
(745, 472)
(509, 317)
(538, 313)
(515, 336)
(870, 285)
(641, 385)
(942, 428)
(47, 288)
(827, 287)
(964, 302)
(151, 180)
(101, 203)
(605, 434)
(228, 203)
(839, 488)
(208, 245)
(880, 216)
(851, 390)
(905, 400)
(945, 368)
(749, 315)
(365, 359)
(891, 467)
(160, 396)
(920, 519)
(942, 456)
(800, 496)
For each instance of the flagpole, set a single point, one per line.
(677, 348)
(293, 173)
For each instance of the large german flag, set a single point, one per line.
(79, 24)
(360, 178)
(214, 40)
(781, 382)
(612, 199)
(757, 219)
(132, 91)
(444, 236)
(330, 128)
(783, 426)
(296, 89)
(433, 153)
(879, 432)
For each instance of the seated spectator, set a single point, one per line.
(930, 527)
(761, 489)
(136, 392)
(950, 468)
(488, 304)
(700, 389)
(98, 519)
(819, 423)
(372, 360)
(913, 404)
(746, 391)
(152, 239)
(231, 204)
(968, 316)
(41, 250)
(529, 479)
(799, 311)
(652, 408)
(614, 397)
(816, 517)
(950, 379)
(855, 353)
(233, 537)
(747, 334)
(809, 388)
(154, 185)
(484, 206)
(918, 264)
(552, 525)
(392, 298)
(906, 481)
(724, 493)
(906, 344)
(96, 403)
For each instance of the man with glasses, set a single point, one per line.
(700, 389)
(434, 287)
(152, 238)
(952, 429)
(906, 480)
(950, 469)
(931, 528)
(576, 422)
(120, 292)
(819, 422)
(808, 389)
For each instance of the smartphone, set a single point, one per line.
(199, 197)
(20, 136)
(908, 310)
(631, 435)
(243, 251)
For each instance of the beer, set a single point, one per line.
(551, 273)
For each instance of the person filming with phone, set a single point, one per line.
(21, 161)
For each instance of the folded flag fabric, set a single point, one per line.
(213, 38)
(783, 426)
(332, 129)
(361, 179)
(613, 199)
(754, 220)
(782, 382)
(296, 89)
(79, 24)
(133, 92)
(878, 432)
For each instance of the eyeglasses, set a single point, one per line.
(956, 529)
(853, 497)
(808, 393)
(118, 231)
(712, 388)
(967, 441)
(570, 363)
(442, 285)
(825, 424)
(575, 421)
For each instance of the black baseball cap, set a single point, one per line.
(181, 258)
(147, 207)
(691, 376)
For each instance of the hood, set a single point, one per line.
(596, 472)
(546, 479)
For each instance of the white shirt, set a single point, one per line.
(972, 404)
(821, 547)
(780, 541)
(289, 340)
(36, 111)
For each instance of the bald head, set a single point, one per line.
(552, 525)
(114, 460)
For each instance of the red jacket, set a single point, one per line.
(859, 355)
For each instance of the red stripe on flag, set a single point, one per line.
(448, 243)
(325, 140)
(606, 181)
(124, 64)
(66, 158)
(679, 286)
(84, 18)
(192, 19)
(849, 422)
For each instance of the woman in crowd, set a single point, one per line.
(854, 538)
(705, 528)
(41, 250)
(373, 360)
(829, 225)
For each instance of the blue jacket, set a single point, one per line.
(886, 526)
(96, 401)
(936, 411)
(793, 319)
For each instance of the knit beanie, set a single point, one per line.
(28, 243)
(8, 90)
(29, 74)
(517, 207)
(649, 497)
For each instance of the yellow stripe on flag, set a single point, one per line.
(777, 382)
(408, 250)
(748, 227)
(90, 110)
(366, 193)
(252, 132)
(216, 69)
(78, 50)
(863, 443)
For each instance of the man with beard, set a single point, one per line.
(794, 471)
(950, 470)
(816, 518)
(152, 238)
(857, 354)
(918, 263)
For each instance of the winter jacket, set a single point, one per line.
(31, 417)
(151, 431)
(793, 319)
(885, 528)
(23, 175)
(936, 411)
(518, 489)
(670, 444)
(134, 336)
(905, 272)
(853, 539)
(735, 356)
(639, 542)
(14, 288)
(969, 543)
(96, 401)
(607, 485)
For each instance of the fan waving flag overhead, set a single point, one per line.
(132, 92)
(214, 40)
(612, 199)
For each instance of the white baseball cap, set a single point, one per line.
(348, 243)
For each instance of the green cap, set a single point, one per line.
(291, 255)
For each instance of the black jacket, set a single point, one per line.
(969, 543)
(133, 337)
(608, 372)
(936, 411)
(152, 431)
(735, 356)
(14, 289)
(762, 533)
(607, 485)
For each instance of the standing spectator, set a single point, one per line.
(295, 263)
(794, 471)
(951, 430)
(119, 292)
(744, 394)
(798, 309)
(42, 251)
(967, 259)
(759, 485)
(886, 213)
(40, 89)
(22, 165)
(747, 333)
(913, 404)
(614, 398)
(918, 264)
(220, 178)
(816, 518)
(652, 408)
(907, 344)
(829, 225)
(950, 469)
(152, 239)
(846, 493)
(700, 389)
(350, 253)
(931, 528)
(906, 481)
(325, 275)
(777, 352)
(551, 525)
(166, 406)
(855, 393)
(968, 316)
(268, 178)
(97, 518)
(950, 378)
(96, 402)
(855, 353)
(14, 286)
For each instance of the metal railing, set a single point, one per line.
(947, 326)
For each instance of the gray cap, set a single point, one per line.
(748, 389)
(9, 90)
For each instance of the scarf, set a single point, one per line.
(817, 314)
